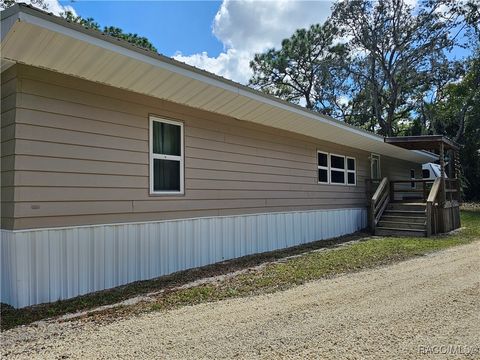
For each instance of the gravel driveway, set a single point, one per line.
(407, 310)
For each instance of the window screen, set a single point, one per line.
(322, 167)
(166, 139)
(337, 162)
(351, 171)
(338, 177)
(351, 163)
(351, 178)
(322, 159)
(337, 169)
(166, 175)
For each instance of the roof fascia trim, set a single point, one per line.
(426, 153)
(9, 17)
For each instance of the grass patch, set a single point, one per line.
(320, 264)
(311, 263)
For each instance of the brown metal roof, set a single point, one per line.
(423, 142)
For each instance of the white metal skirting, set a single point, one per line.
(45, 265)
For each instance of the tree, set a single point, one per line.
(90, 23)
(37, 3)
(388, 70)
(455, 111)
(132, 38)
(397, 53)
(458, 117)
(425, 101)
(305, 69)
(113, 31)
(470, 10)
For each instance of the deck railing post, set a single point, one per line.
(429, 219)
(443, 192)
(372, 216)
(456, 158)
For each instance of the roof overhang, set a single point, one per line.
(33, 37)
(423, 142)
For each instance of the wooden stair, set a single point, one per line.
(403, 219)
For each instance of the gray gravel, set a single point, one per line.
(397, 312)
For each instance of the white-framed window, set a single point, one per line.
(166, 156)
(351, 171)
(323, 167)
(412, 176)
(336, 169)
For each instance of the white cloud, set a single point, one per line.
(412, 3)
(52, 6)
(246, 27)
(231, 64)
(343, 100)
(56, 8)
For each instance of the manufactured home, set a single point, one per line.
(120, 165)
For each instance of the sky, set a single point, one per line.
(219, 36)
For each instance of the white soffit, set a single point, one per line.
(35, 38)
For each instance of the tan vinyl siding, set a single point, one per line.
(8, 102)
(396, 169)
(399, 169)
(82, 158)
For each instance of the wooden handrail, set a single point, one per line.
(380, 189)
(434, 191)
(422, 189)
(412, 180)
(431, 201)
(379, 202)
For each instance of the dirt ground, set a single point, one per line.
(427, 307)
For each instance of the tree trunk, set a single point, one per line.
(377, 114)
